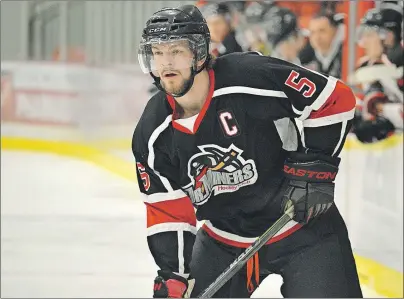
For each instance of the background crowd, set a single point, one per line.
(312, 34)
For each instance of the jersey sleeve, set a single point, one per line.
(324, 104)
(171, 220)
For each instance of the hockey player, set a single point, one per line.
(392, 16)
(284, 35)
(381, 110)
(220, 137)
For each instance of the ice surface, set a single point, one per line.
(71, 229)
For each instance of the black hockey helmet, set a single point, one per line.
(392, 16)
(280, 24)
(170, 25)
(372, 17)
(371, 21)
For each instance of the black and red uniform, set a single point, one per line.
(226, 163)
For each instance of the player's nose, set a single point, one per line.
(167, 64)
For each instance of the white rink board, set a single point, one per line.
(369, 194)
(70, 229)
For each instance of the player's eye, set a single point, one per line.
(157, 53)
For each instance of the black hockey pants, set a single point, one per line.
(315, 261)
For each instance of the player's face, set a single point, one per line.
(321, 34)
(218, 27)
(173, 62)
(371, 42)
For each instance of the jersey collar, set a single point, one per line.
(201, 114)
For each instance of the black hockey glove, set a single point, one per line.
(368, 131)
(311, 187)
(170, 285)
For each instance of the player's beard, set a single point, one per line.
(175, 86)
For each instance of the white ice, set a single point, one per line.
(71, 229)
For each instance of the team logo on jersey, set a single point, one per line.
(217, 170)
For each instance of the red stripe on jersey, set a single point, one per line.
(177, 210)
(341, 100)
(202, 113)
(245, 245)
(207, 101)
(171, 101)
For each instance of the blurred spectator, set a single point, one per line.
(326, 35)
(237, 10)
(283, 34)
(370, 36)
(380, 112)
(253, 30)
(219, 19)
(392, 15)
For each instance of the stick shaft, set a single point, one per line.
(246, 255)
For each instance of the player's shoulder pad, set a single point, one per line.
(248, 61)
(155, 113)
(238, 60)
(239, 69)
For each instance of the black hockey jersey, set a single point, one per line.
(227, 161)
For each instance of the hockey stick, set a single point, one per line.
(247, 254)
